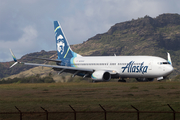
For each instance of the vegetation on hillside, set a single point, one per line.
(31, 79)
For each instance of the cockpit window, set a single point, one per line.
(164, 63)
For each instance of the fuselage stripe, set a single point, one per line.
(74, 63)
(57, 28)
(66, 53)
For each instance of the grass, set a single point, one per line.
(147, 96)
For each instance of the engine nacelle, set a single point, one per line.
(144, 79)
(101, 76)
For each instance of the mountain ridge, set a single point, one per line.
(143, 36)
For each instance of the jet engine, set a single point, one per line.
(101, 76)
(144, 79)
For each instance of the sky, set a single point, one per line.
(26, 26)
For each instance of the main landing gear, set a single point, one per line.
(121, 80)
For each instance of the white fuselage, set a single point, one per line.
(126, 66)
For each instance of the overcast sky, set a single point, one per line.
(26, 26)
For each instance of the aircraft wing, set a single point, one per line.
(66, 68)
(60, 67)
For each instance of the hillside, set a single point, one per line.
(136, 37)
(144, 36)
(4, 66)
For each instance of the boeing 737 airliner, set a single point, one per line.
(103, 68)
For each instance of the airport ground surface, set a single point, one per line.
(113, 96)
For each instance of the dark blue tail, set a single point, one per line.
(62, 45)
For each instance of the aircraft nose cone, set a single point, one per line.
(170, 69)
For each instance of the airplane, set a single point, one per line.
(104, 68)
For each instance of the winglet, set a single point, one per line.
(169, 58)
(14, 58)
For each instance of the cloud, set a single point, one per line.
(26, 42)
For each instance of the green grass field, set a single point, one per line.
(113, 96)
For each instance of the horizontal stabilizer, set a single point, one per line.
(13, 64)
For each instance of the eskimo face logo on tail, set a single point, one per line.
(60, 46)
(135, 69)
(60, 37)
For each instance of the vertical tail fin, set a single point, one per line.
(62, 45)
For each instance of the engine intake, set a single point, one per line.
(101, 76)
